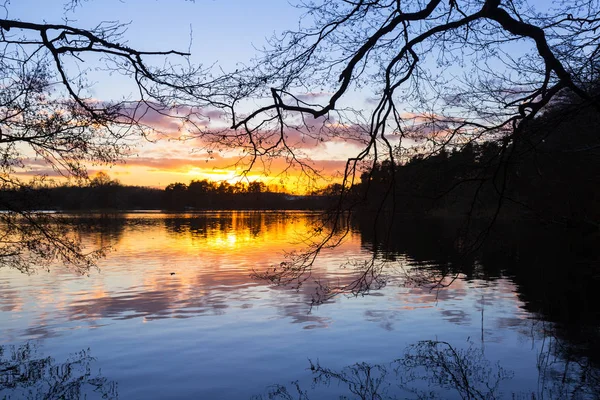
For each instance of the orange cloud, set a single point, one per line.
(209, 150)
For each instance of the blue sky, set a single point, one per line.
(222, 31)
(221, 27)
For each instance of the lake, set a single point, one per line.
(175, 310)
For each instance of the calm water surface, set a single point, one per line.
(173, 312)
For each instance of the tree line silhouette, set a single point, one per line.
(102, 193)
(550, 174)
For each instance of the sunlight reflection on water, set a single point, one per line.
(173, 311)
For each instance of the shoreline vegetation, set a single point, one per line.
(104, 195)
(551, 174)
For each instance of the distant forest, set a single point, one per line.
(104, 194)
(550, 172)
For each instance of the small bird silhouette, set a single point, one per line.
(172, 273)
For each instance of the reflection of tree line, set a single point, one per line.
(432, 369)
(109, 228)
(537, 261)
(555, 271)
(204, 225)
(25, 374)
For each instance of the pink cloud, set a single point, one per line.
(217, 162)
(174, 121)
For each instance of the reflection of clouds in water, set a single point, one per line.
(207, 281)
(204, 294)
(458, 317)
(150, 305)
(42, 331)
(10, 301)
(298, 314)
(510, 322)
(385, 318)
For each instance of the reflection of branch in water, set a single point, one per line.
(441, 365)
(368, 273)
(25, 374)
(429, 276)
(564, 374)
(30, 240)
(328, 231)
(364, 380)
(434, 369)
(436, 279)
(435, 365)
(281, 392)
(364, 276)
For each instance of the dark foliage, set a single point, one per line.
(108, 195)
(551, 175)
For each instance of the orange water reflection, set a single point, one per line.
(186, 265)
(171, 266)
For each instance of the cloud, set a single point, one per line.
(169, 164)
(217, 163)
(49, 172)
(372, 100)
(173, 121)
(431, 126)
(311, 96)
(323, 144)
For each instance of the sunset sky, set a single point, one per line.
(222, 32)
